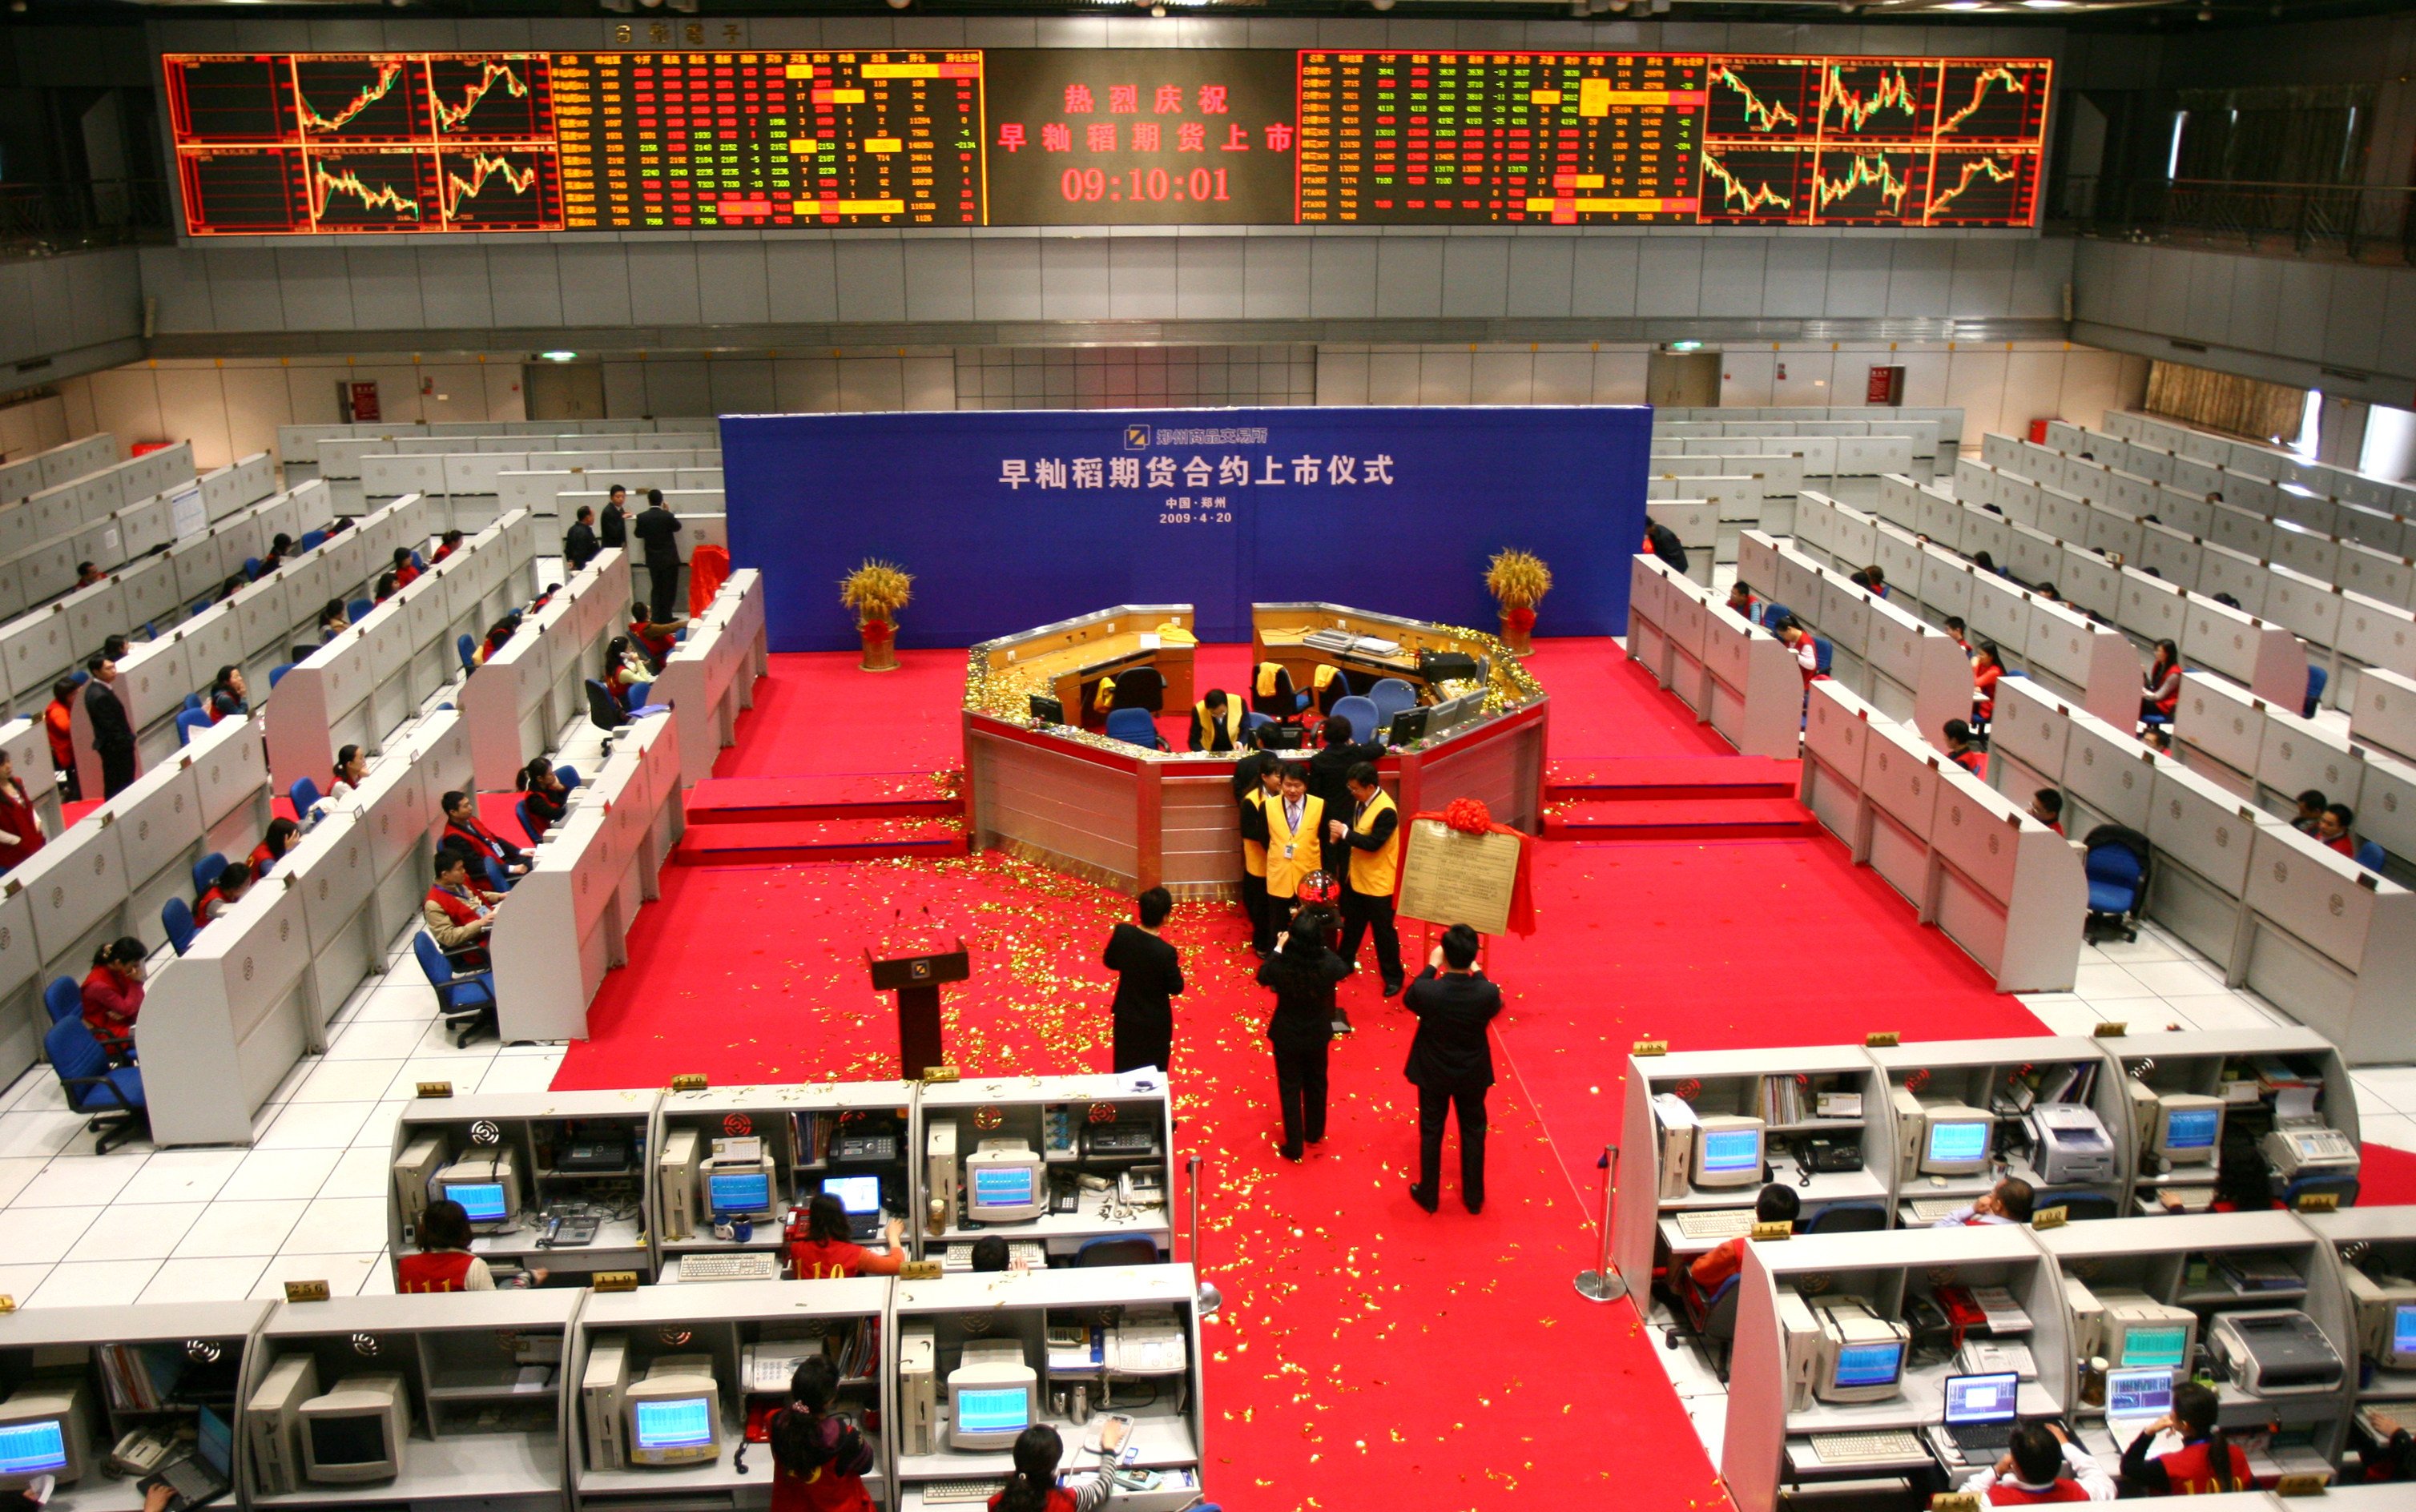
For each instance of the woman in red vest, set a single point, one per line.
(2161, 689)
(283, 836)
(1034, 1486)
(818, 1456)
(113, 991)
(2207, 1460)
(444, 1263)
(824, 1253)
(21, 827)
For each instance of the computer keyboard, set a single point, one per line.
(1716, 1223)
(946, 1492)
(754, 1265)
(1866, 1449)
(1029, 1253)
(1930, 1209)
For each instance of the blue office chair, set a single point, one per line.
(1284, 702)
(1135, 726)
(1714, 1319)
(277, 673)
(64, 997)
(2316, 679)
(1251, 722)
(1390, 696)
(1848, 1218)
(1361, 713)
(2115, 862)
(529, 826)
(1338, 688)
(304, 793)
(467, 649)
(252, 567)
(2078, 1207)
(198, 605)
(190, 723)
(1116, 1250)
(193, 700)
(569, 776)
(2342, 1186)
(418, 562)
(359, 610)
(177, 918)
(109, 1097)
(604, 710)
(205, 872)
(1821, 652)
(313, 540)
(1773, 614)
(2370, 855)
(466, 1000)
(498, 880)
(638, 692)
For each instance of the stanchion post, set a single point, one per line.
(1604, 1283)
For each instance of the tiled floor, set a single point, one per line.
(306, 1201)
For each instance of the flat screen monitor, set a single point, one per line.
(38, 1448)
(213, 1441)
(1956, 1145)
(1408, 727)
(731, 1193)
(857, 1195)
(2144, 1391)
(1047, 711)
(2164, 1345)
(1983, 1398)
(1864, 1366)
(672, 1425)
(1281, 737)
(2403, 1336)
(483, 1201)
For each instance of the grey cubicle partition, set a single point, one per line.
(566, 921)
(520, 699)
(709, 677)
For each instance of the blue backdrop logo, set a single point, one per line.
(1014, 518)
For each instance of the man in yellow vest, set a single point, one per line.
(1254, 800)
(1217, 722)
(1294, 818)
(1373, 835)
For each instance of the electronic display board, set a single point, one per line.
(362, 144)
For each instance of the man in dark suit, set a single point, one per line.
(657, 528)
(613, 530)
(1329, 778)
(1451, 1063)
(112, 736)
(1148, 977)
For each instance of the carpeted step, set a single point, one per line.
(1649, 779)
(817, 840)
(860, 796)
(1691, 818)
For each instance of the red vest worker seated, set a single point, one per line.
(2047, 806)
(21, 823)
(113, 991)
(824, 1253)
(819, 1457)
(444, 1263)
(1034, 1486)
(2333, 827)
(224, 893)
(465, 831)
(1960, 751)
(1777, 1203)
(2030, 1473)
(2208, 1462)
(457, 915)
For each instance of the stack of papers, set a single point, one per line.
(2004, 1316)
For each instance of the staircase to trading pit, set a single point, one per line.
(779, 821)
(1674, 798)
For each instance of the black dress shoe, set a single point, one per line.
(1291, 1153)
(1475, 1205)
(1393, 988)
(1423, 1198)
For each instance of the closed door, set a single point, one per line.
(1683, 379)
(564, 390)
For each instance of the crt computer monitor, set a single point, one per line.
(356, 1432)
(859, 1195)
(1866, 1367)
(2189, 1128)
(2163, 1344)
(2401, 1353)
(1727, 1151)
(1955, 1142)
(739, 1194)
(1002, 1182)
(487, 1186)
(674, 1412)
(43, 1431)
(993, 1396)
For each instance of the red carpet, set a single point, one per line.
(1370, 1356)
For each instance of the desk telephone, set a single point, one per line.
(141, 1451)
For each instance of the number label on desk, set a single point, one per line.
(2304, 1483)
(2049, 1218)
(689, 1082)
(614, 1281)
(1772, 1232)
(306, 1291)
(435, 1089)
(919, 1271)
(1955, 1502)
(1882, 1039)
(2318, 1202)
(939, 1073)
(1649, 1047)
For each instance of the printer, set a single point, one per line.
(2277, 1352)
(2068, 1143)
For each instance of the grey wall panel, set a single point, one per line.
(803, 280)
(1141, 276)
(871, 278)
(1277, 276)
(1858, 277)
(1983, 282)
(594, 283)
(1073, 279)
(1921, 277)
(662, 285)
(1211, 274)
(1342, 278)
(1540, 271)
(315, 286)
(939, 274)
(1795, 277)
(1409, 277)
(1475, 276)
(453, 287)
(525, 280)
(1735, 276)
(244, 293)
(1607, 273)
(2353, 324)
(731, 283)
(1005, 279)
(385, 287)
(1670, 277)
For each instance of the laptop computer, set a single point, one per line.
(861, 1197)
(2136, 1397)
(1980, 1414)
(204, 1475)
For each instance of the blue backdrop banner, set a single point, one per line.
(1014, 518)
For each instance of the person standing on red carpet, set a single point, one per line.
(1148, 977)
(1451, 1063)
(1302, 971)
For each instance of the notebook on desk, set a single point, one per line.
(2136, 1397)
(1981, 1411)
(204, 1475)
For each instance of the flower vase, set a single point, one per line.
(880, 646)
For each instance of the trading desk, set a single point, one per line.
(1131, 817)
(1065, 661)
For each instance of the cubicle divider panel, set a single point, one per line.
(1068, 802)
(1836, 741)
(1648, 642)
(1901, 780)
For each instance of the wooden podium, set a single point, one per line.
(915, 979)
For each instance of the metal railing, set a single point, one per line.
(38, 219)
(2362, 222)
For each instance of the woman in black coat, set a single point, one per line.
(1303, 973)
